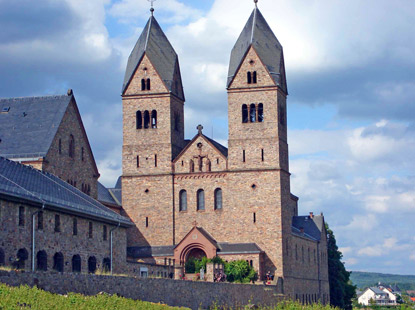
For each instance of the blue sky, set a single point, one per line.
(351, 106)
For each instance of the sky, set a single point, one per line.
(351, 106)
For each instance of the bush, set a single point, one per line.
(240, 271)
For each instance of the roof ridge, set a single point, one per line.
(33, 97)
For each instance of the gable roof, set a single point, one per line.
(258, 34)
(216, 145)
(377, 291)
(21, 182)
(28, 128)
(154, 43)
(312, 226)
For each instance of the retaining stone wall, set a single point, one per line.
(190, 294)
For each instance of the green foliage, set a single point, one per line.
(367, 279)
(341, 289)
(240, 271)
(190, 267)
(24, 297)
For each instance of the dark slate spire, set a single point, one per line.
(154, 43)
(258, 34)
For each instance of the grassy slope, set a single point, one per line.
(24, 297)
(365, 279)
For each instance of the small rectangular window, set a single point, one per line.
(75, 227)
(60, 146)
(57, 223)
(254, 217)
(155, 160)
(262, 154)
(82, 154)
(104, 232)
(40, 220)
(90, 231)
(21, 216)
(243, 155)
(138, 161)
(146, 221)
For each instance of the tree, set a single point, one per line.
(341, 289)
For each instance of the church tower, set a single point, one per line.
(257, 146)
(257, 92)
(153, 133)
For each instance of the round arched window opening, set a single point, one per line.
(253, 186)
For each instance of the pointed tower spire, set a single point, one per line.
(155, 45)
(258, 34)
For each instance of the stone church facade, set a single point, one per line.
(189, 198)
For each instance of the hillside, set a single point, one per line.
(365, 279)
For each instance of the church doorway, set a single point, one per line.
(195, 254)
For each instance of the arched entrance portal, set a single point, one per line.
(195, 253)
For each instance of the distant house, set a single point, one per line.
(412, 299)
(47, 133)
(379, 297)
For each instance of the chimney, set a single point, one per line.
(311, 215)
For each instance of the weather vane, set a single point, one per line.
(152, 6)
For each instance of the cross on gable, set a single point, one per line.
(194, 223)
(199, 129)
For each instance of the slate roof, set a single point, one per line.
(109, 195)
(22, 182)
(239, 248)
(28, 128)
(258, 34)
(148, 251)
(312, 226)
(220, 147)
(154, 43)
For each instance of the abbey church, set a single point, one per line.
(176, 199)
(193, 198)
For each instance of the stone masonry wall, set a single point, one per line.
(14, 237)
(80, 168)
(190, 294)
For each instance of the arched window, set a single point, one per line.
(154, 119)
(249, 77)
(58, 262)
(146, 119)
(252, 113)
(92, 264)
(218, 199)
(244, 113)
(71, 146)
(139, 120)
(200, 199)
(42, 261)
(21, 216)
(254, 77)
(143, 84)
(22, 256)
(2, 257)
(106, 265)
(260, 113)
(76, 263)
(40, 220)
(148, 84)
(192, 165)
(183, 200)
